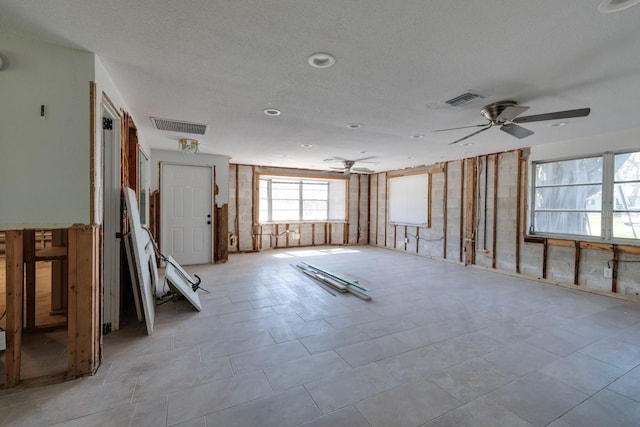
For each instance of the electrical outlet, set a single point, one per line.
(406, 240)
(608, 273)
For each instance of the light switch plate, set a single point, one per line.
(608, 273)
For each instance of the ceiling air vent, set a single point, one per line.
(179, 126)
(463, 99)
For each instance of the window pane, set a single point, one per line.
(578, 171)
(314, 193)
(285, 205)
(285, 191)
(626, 196)
(285, 215)
(580, 223)
(627, 167)
(264, 214)
(313, 215)
(626, 225)
(315, 205)
(582, 197)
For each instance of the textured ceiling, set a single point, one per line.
(224, 62)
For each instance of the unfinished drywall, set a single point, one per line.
(246, 234)
(44, 160)
(499, 227)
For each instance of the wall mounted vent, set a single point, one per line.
(463, 99)
(179, 126)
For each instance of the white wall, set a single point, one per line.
(106, 92)
(44, 164)
(623, 140)
(220, 162)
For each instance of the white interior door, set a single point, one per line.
(110, 195)
(186, 200)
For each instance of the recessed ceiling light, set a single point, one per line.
(410, 157)
(272, 112)
(467, 153)
(363, 152)
(321, 60)
(468, 144)
(609, 6)
(555, 125)
(306, 145)
(354, 125)
(417, 136)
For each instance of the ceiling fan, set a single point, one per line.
(505, 114)
(348, 164)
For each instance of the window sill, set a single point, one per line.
(303, 222)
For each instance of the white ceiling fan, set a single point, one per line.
(348, 164)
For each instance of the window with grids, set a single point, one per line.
(595, 197)
(301, 199)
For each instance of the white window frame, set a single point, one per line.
(333, 205)
(607, 208)
(408, 199)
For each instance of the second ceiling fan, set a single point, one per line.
(505, 114)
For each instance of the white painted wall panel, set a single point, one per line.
(44, 164)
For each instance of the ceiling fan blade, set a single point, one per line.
(515, 130)
(510, 113)
(472, 134)
(335, 159)
(461, 127)
(558, 115)
(366, 158)
(361, 170)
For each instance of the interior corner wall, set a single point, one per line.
(44, 163)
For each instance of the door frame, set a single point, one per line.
(163, 200)
(111, 212)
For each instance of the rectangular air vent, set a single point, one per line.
(179, 126)
(463, 99)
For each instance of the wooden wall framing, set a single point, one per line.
(84, 340)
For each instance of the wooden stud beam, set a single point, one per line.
(545, 253)
(518, 206)
(29, 258)
(221, 253)
(614, 275)
(576, 264)
(14, 297)
(237, 218)
(470, 209)
(369, 209)
(429, 199)
(84, 301)
(461, 231)
(494, 239)
(444, 209)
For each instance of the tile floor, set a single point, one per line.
(439, 345)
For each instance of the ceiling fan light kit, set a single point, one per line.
(506, 114)
(188, 145)
(348, 164)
